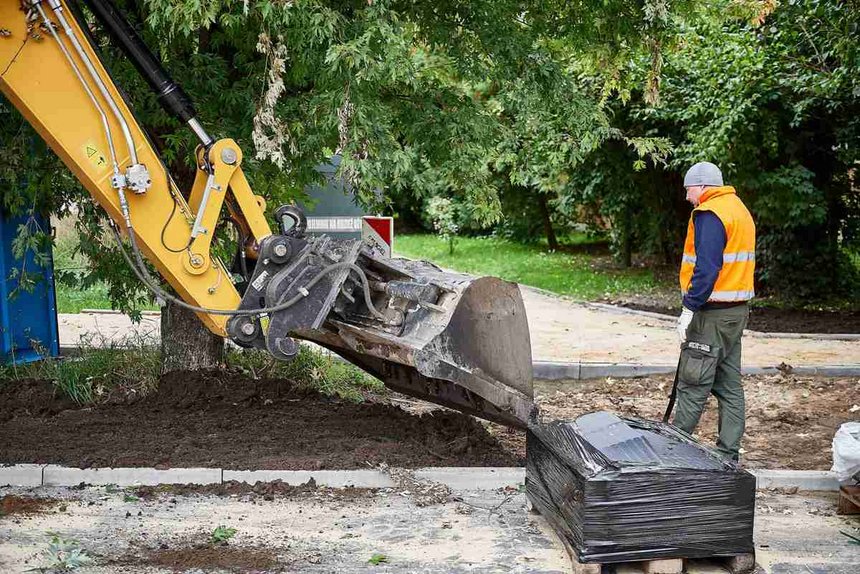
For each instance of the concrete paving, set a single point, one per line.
(317, 532)
(54, 475)
(331, 531)
(562, 332)
(800, 534)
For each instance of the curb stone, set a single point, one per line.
(54, 475)
(146, 313)
(802, 479)
(457, 478)
(464, 478)
(22, 475)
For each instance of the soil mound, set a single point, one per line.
(212, 558)
(264, 490)
(226, 420)
(31, 398)
(12, 504)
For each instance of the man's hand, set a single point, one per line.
(683, 323)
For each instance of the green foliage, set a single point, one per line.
(75, 289)
(633, 207)
(378, 559)
(770, 95)
(222, 534)
(529, 116)
(442, 213)
(775, 103)
(579, 275)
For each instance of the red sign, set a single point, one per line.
(378, 233)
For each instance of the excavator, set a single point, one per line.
(451, 339)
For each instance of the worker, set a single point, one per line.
(716, 279)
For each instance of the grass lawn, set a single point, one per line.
(574, 270)
(580, 269)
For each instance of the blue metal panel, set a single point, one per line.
(28, 319)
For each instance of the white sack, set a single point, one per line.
(846, 451)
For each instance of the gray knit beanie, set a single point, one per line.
(703, 173)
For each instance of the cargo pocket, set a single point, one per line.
(698, 363)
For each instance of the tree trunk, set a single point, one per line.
(551, 239)
(186, 344)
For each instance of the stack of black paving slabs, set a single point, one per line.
(622, 489)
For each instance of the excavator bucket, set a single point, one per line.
(468, 349)
(455, 340)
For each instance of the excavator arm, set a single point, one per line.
(448, 338)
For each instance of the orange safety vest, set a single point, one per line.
(735, 281)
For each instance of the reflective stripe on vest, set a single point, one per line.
(731, 295)
(727, 257)
(740, 256)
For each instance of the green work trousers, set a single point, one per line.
(711, 363)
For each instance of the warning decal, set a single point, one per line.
(378, 234)
(94, 155)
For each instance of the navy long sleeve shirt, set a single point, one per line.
(710, 243)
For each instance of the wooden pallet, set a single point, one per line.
(740, 564)
(849, 500)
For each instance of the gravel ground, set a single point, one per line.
(791, 420)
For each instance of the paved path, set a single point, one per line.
(313, 532)
(325, 531)
(564, 330)
(561, 330)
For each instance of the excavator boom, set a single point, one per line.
(452, 339)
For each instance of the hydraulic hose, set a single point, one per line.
(170, 95)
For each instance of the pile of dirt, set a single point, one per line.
(217, 419)
(211, 558)
(791, 420)
(264, 490)
(773, 320)
(24, 505)
(31, 398)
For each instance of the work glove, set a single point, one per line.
(683, 323)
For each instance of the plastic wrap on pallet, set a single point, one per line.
(623, 489)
